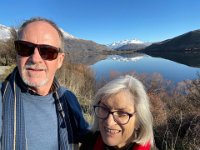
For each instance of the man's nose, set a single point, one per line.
(35, 57)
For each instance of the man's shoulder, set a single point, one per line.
(0, 88)
(65, 91)
(69, 99)
(0, 109)
(68, 96)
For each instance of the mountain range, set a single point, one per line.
(188, 42)
(88, 52)
(132, 44)
(184, 49)
(80, 50)
(118, 44)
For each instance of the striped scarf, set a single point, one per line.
(13, 124)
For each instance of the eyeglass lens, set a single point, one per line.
(26, 49)
(119, 116)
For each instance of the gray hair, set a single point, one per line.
(143, 114)
(35, 19)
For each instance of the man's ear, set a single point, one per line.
(61, 57)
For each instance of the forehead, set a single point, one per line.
(39, 31)
(121, 100)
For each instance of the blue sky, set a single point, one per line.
(106, 21)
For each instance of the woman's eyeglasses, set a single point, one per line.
(47, 52)
(120, 117)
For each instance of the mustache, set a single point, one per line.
(35, 66)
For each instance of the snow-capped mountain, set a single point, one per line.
(67, 35)
(118, 44)
(4, 32)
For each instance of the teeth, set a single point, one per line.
(113, 131)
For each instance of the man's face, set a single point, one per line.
(34, 70)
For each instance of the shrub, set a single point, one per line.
(7, 50)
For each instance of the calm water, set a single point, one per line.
(145, 64)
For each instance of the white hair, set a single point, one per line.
(144, 131)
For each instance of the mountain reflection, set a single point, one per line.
(189, 59)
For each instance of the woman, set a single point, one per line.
(123, 117)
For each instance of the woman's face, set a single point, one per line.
(113, 133)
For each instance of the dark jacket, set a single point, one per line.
(93, 141)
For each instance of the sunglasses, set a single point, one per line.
(47, 52)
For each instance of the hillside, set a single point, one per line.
(188, 42)
(184, 49)
(84, 51)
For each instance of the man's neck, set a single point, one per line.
(38, 91)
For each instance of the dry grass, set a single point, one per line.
(7, 71)
(79, 79)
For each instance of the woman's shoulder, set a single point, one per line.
(147, 146)
(89, 140)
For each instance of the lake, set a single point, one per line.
(141, 63)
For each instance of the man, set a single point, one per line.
(39, 114)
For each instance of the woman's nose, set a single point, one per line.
(110, 120)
